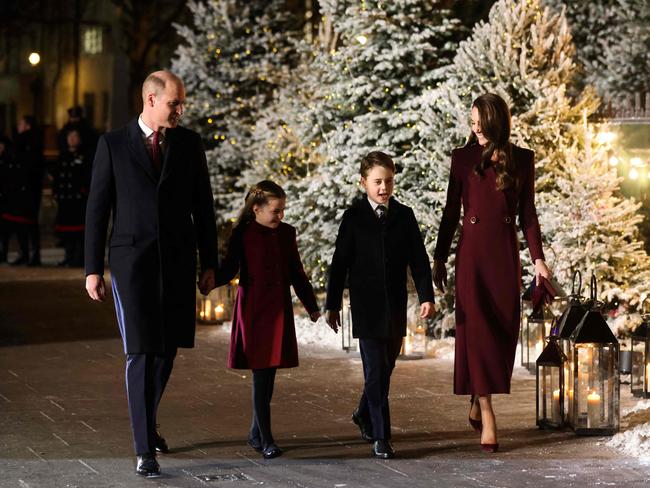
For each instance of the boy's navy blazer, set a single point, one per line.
(374, 256)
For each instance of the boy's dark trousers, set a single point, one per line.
(378, 357)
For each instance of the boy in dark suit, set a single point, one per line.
(378, 238)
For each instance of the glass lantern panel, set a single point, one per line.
(536, 343)
(596, 389)
(638, 367)
(646, 377)
(523, 340)
(568, 391)
(549, 394)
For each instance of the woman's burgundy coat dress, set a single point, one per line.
(263, 331)
(488, 271)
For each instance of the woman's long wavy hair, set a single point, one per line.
(259, 194)
(494, 117)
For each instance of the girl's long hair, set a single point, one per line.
(259, 194)
(494, 117)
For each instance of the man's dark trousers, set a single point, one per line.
(378, 357)
(146, 378)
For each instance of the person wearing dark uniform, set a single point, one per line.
(494, 180)
(71, 177)
(29, 153)
(20, 212)
(5, 163)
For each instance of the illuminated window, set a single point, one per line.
(93, 40)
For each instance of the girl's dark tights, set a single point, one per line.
(263, 380)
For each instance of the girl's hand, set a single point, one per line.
(314, 316)
(541, 270)
(439, 275)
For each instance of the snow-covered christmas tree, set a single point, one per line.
(595, 228)
(235, 56)
(388, 53)
(612, 39)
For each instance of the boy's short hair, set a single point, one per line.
(376, 158)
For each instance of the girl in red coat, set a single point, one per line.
(495, 181)
(263, 250)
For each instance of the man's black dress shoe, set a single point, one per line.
(147, 466)
(364, 426)
(383, 450)
(271, 452)
(161, 444)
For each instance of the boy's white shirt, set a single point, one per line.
(374, 204)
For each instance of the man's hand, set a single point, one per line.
(333, 320)
(96, 287)
(439, 275)
(427, 309)
(314, 316)
(207, 282)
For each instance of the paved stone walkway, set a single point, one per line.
(64, 422)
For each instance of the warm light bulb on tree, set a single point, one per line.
(613, 161)
(634, 174)
(362, 39)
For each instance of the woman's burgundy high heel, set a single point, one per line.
(491, 448)
(477, 425)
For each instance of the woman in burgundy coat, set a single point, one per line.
(495, 181)
(264, 252)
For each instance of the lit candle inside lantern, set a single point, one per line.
(208, 310)
(593, 410)
(218, 310)
(408, 344)
(555, 406)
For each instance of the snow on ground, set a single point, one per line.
(635, 441)
(640, 405)
(317, 333)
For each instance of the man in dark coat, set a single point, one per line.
(153, 177)
(378, 240)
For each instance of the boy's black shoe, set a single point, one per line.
(364, 426)
(382, 449)
(147, 466)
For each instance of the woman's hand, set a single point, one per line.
(541, 270)
(439, 275)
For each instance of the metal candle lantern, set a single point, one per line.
(216, 307)
(596, 394)
(640, 374)
(348, 342)
(526, 310)
(551, 367)
(565, 326)
(536, 323)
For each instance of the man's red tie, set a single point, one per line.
(155, 151)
